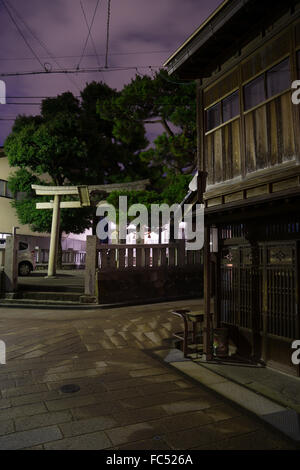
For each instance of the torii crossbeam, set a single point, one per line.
(83, 192)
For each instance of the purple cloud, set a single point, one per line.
(142, 33)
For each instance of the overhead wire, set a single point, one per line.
(88, 36)
(86, 55)
(71, 71)
(26, 104)
(42, 44)
(21, 33)
(92, 40)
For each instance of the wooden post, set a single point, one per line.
(264, 353)
(253, 235)
(207, 347)
(297, 284)
(181, 253)
(200, 127)
(255, 301)
(54, 237)
(294, 76)
(91, 266)
(11, 264)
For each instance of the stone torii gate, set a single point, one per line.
(83, 193)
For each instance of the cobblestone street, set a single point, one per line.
(127, 398)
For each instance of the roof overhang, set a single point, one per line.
(231, 26)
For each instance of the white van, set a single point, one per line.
(26, 255)
(26, 259)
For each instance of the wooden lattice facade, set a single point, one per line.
(244, 59)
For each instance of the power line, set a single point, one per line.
(42, 44)
(86, 55)
(8, 118)
(54, 97)
(89, 33)
(71, 71)
(92, 40)
(26, 104)
(21, 33)
(107, 34)
(32, 97)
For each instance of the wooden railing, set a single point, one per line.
(115, 257)
(73, 257)
(68, 257)
(132, 258)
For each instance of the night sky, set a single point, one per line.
(143, 33)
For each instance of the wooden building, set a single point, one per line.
(244, 58)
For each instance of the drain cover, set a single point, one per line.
(70, 388)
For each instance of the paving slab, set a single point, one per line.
(85, 426)
(92, 441)
(6, 427)
(131, 433)
(284, 419)
(42, 420)
(127, 398)
(21, 440)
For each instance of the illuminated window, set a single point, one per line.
(3, 237)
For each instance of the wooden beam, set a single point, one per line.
(108, 188)
(84, 190)
(63, 205)
(207, 346)
(84, 196)
(52, 190)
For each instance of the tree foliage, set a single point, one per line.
(171, 159)
(101, 139)
(162, 101)
(66, 145)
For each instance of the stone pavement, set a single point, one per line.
(128, 399)
(66, 280)
(268, 394)
(279, 387)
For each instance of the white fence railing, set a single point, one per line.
(69, 257)
(114, 257)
